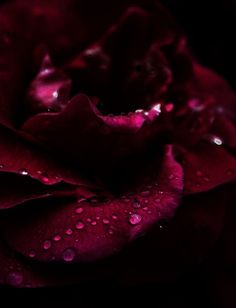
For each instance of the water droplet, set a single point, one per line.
(216, 140)
(89, 219)
(93, 223)
(79, 210)
(1, 166)
(161, 192)
(114, 217)
(23, 172)
(161, 227)
(135, 219)
(146, 201)
(57, 238)
(136, 204)
(145, 208)
(68, 255)
(47, 244)
(198, 173)
(145, 193)
(79, 225)
(69, 231)
(196, 105)
(110, 231)
(32, 254)
(106, 221)
(15, 278)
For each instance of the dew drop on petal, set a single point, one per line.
(32, 254)
(110, 231)
(47, 244)
(1, 166)
(68, 255)
(15, 278)
(57, 238)
(79, 225)
(93, 223)
(69, 231)
(216, 140)
(79, 210)
(106, 221)
(23, 172)
(114, 217)
(135, 219)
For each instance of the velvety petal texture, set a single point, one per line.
(117, 149)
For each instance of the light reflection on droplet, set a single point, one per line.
(106, 221)
(23, 172)
(79, 225)
(135, 219)
(47, 244)
(69, 231)
(68, 255)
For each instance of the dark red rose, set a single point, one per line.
(117, 149)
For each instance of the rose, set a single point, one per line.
(105, 131)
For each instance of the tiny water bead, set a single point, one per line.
(69, 254)
(93, 223)
(32, 254)
(79, 225)
(135, 219)
(57, 238)
(114, 217)
(216, 140)
(136, 204)
(106, 221)
(79, 210)
(47, 244)
(1, 166)
(15, 278)
(69, 231)
(23, 171)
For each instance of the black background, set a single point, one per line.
(210, 26)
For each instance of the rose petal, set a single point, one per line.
(81, 134)
(50, 89)
(21, 157)
(99, 229)
(206, 166)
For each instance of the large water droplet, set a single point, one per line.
(15, 278)
(79, 225)
(68, 255)
(47, 244)
(135, 219)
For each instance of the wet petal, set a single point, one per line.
(21, 157)
(98, 228)
(81, 134)
(207, 166)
